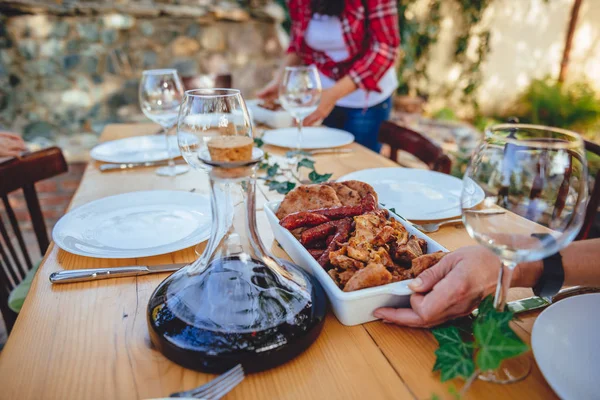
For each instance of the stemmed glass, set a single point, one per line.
(539, 175)
(161, 93)
(299, 94)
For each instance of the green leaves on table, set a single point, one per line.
(258, 142)
(494, 345)
(281, 187)
(307, 163)
(454, 357)
(494, 342)
(318, 178)
(277, 179)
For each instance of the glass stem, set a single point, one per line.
(504, 280)
(171, 161)
(299, 137)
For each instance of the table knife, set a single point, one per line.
(82, 275)
(116, 167)
(536, 302)
(330, 151)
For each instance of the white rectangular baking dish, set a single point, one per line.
(351, 308)
(274, 119)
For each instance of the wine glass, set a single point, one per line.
(539, 176)
(299, 94)
(161, 93)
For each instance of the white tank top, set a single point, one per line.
(324, 33)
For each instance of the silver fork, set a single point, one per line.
(216, 388)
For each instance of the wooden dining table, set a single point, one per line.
(89, 340)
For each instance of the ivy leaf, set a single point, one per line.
(454, 356)
(318, 178)
(272, 170)
(258, 142)
(454, 361)
(306, 162)
(263, 165)
(494, 344)
(281, 187)
(447, 335)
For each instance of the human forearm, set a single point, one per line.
(580, 263)
(343, 87)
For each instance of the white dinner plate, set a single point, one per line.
(136, 224)
(137, 149)
(416, 194)
(314, 137)
(566, 346)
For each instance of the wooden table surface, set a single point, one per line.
(90, 340)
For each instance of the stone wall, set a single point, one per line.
(65, 74)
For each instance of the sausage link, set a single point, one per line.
(318, 232)
(302, 219)
(344, 227)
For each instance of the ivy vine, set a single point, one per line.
(418, 35)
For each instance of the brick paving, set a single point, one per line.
(54, 195)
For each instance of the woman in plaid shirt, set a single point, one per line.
(353, 44)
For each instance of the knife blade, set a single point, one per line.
(536, 302)
(116, 167)
(82, 275)
(330, 151)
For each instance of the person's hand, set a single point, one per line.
(328, 100)
(11, 145)
(450, 289)
(270, 91)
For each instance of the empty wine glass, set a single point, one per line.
(539, 175)
(161, 93)
(299, 94)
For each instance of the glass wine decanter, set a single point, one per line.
(236, 303)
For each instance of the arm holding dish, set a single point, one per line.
(454, 287)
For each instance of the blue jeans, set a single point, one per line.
(362, 123)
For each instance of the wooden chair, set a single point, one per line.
(594, 199)
(561, 200)
(400, 138)
(22, 174)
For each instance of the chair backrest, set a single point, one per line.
(563, 192)
(400, 138)
(23, 173)
(594, 199)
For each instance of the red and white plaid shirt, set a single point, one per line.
(370, 29)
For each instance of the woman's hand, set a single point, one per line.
(270, 91)
(328, 99)
(450, 289)
(11, 145)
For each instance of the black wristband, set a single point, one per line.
(553, 275)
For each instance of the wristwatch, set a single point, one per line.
(553, 274)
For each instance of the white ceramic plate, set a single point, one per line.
(350, 308)
(314, 137)
(416, 194)
(137, 149)
(566, 345)
(136, 224)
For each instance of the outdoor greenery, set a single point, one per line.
(418, 35)
(547, 102)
